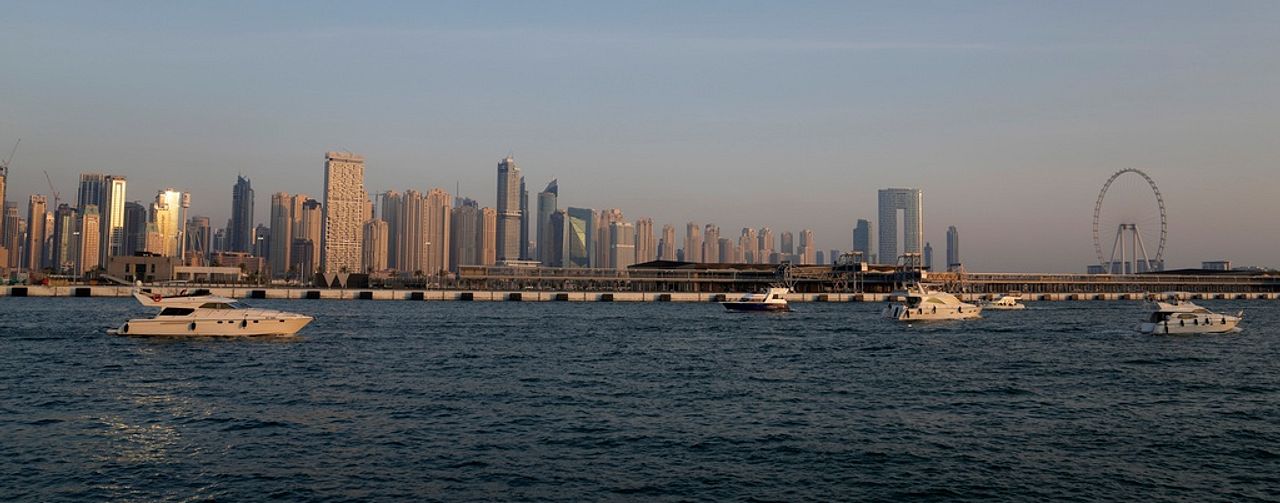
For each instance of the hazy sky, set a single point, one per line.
(1009, 115)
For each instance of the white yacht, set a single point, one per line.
(205, 315)
(1005, 303)
(1179, 316)
(921, 303)
(773, 299)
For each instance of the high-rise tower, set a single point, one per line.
(910, 201)
(169, 214)
(282, 233)
(646, 244)
(953, 247)
(862, 239)
(524, 222)
(668, 243)
(242, 216)
(111, 220)
(509, 181)
(548, 203)
(693, 242)
(345, 205)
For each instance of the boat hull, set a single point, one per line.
(900, 312)
(1206, 325)
(213, 328)
(754, 306)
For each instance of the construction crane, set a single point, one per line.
(4, 166)
(56, 196)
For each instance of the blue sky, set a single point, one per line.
(1009, 115)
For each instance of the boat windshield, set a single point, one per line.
(222, 305)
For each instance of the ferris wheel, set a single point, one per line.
(1130, 204)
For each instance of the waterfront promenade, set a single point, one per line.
(251, 292)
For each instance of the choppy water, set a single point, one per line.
(577, 401)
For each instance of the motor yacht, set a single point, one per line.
(922, 303)
(1177, 316)
(772, 299)
(204, 315)
(1005, 303)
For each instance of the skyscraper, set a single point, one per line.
(646, 246)
(14, 228)
(63, 244)
(282, 232)
(862, 239)
(910, 201)
(135, 228)
(928, 256)
(713, 249)
(668, 243)
(168, 213)
(374, 246)
(262, 247)
(92, 190)
(309, 229)
(524, 222)
(749, 242)
(787, 243)
(88, 240)
(488, 236)
(111, 220)
(581, 247)
(345, 204)
(34, 253)
(508, 209)
(548, 203)
(554, 256)
(604, 255)
(411, 252)
(766, 245)
(465, 234)
(391, 203)
(622, 249)
(241, 231)
(692, 242)
(808, 248)
(199, 237)
(439, 205)
(4, 179)
(953, 247)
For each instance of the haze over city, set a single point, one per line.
(1008, 116)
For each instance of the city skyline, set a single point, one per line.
(1009, 123)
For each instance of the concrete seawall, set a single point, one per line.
(546, 296)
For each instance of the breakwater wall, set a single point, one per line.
(552, 296)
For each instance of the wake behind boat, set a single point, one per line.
(205, 315)
(773, 299)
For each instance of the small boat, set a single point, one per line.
(1179, 316)
(921, 303)
(201, 314)
(1005, 303)
(772, 299)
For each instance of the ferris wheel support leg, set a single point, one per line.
(1111, 264)
(1146, 261)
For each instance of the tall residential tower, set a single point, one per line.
(910, 201)
(345, 205)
